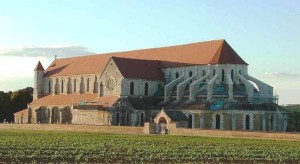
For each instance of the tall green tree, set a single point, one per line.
(11, 102)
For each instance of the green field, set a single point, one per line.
(41, 146)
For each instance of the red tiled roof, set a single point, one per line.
(136, 68)
(73, 99)
(106, 101)
(210, 52)
(225, 55)
(24, 112)
(39, 67)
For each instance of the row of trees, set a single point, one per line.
(293, 115)
(11, 102)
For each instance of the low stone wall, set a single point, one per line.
(74, 128)
(233, 134)
(150, 129)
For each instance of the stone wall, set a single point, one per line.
(233, 134)
(91, 117)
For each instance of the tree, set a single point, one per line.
(11, 102)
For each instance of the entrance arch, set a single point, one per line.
(162, 120)
(162, 125)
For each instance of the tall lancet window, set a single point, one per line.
(62, 86)
(88, 85)
(49, 86)
(131, 88)
(223, 75)
(74, 85)
(146, 89)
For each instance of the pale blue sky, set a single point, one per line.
(264, 33)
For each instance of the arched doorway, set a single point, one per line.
(162, 122)
(247, 122)
(55, 115)
(218, 121)
(118, 118)
(67, 116)
(190, 121)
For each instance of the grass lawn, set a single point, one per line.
(43, 146)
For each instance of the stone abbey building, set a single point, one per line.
(200, 85)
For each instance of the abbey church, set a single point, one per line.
(202, 85)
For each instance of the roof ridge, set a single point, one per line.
(152, 48)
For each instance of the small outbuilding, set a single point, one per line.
(164, 118)
(21, 117)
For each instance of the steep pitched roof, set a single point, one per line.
(39, 67)
(62, 99)
(210, 52)
(22, 112)
(141, 69)
(226, 55)
(176, 115)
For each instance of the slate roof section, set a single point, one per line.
(176, 116)
(209, 52)
(141, 69)
(39, 67)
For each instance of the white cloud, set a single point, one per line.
(17, 64)
(280, 75)
(46, 51)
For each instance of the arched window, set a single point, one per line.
(62, 86)
(190, 121)
(142, 118)
(177, 75)
(223, 75)
(131, 88)
(240, 72)
(214, 72)
(191, 74)
(49, 86)
(117, 118)
(247, 122)
(232, 75)
(158, 86)
(271, 122)
(146, 89)
(128, 118)
(218, 121)
(88, 85)
(74, 85)
(101, 89)
(203, 73)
